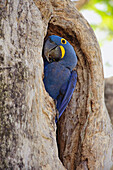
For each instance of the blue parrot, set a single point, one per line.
(59, 77)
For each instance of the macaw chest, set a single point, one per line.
(56, 76)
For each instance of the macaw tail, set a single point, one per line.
(62, 104)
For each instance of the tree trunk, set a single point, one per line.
(79, 4)
(109, 96)
(27, 119)
(28, 130)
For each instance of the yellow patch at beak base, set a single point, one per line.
(62, 50)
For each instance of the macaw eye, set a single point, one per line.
(63, 41)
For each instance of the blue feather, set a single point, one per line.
(68, 95)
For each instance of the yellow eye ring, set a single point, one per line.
(63, 41)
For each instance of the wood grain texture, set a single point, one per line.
(109, 96)
(28, 138)
(28, 130)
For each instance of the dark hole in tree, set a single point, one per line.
(56, 30)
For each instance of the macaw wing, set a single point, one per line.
(68, 94)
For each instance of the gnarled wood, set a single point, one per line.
(109, 96)
(27, 112)
(28, 129)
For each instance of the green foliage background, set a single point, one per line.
(106, 15)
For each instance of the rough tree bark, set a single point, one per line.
(79, 4)
(28, 130)
(109, 96)
(27, 111)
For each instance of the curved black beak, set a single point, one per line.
(51, 50)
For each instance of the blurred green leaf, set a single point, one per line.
(104, 8)
(108, 65)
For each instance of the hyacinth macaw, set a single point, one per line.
(59, 77)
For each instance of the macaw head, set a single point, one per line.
(57, 49)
